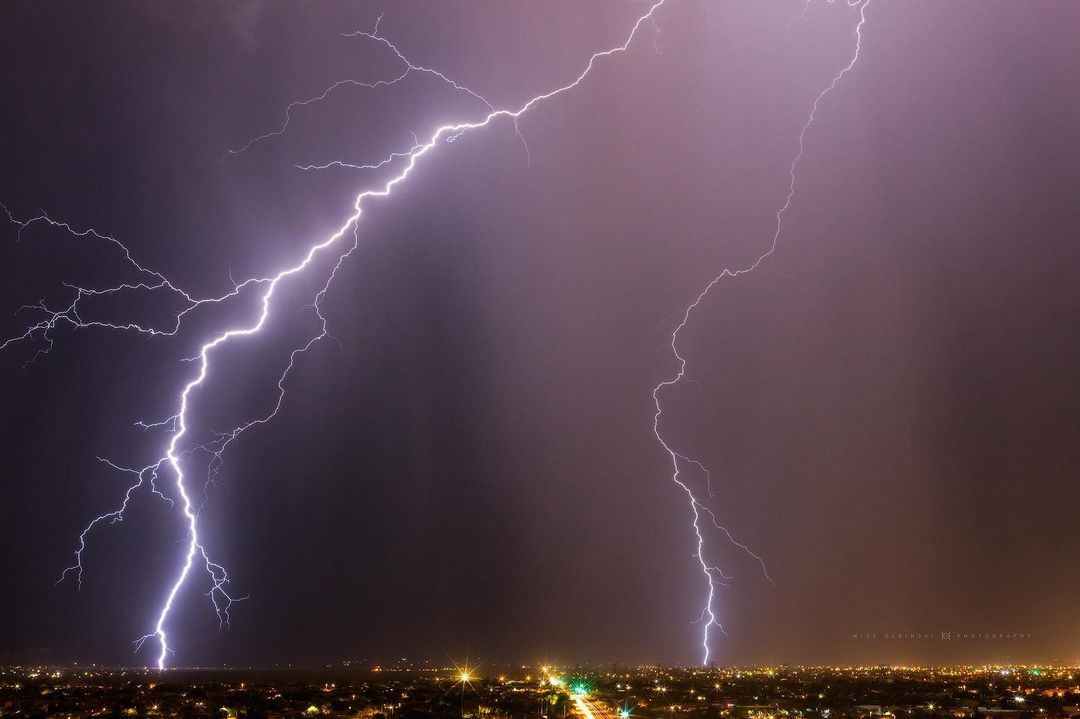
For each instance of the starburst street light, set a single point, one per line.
(464, 678)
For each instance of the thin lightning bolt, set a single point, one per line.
(151, 281)
(678, 459)
(410, 68)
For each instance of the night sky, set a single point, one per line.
(888, 406)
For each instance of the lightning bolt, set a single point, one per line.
(337, 246)
(713, 575)
(409, 68)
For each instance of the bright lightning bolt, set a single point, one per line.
(713, 575)
(151, 281)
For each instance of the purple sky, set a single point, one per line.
(887, 406)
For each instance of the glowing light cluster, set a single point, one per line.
(583, 706)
